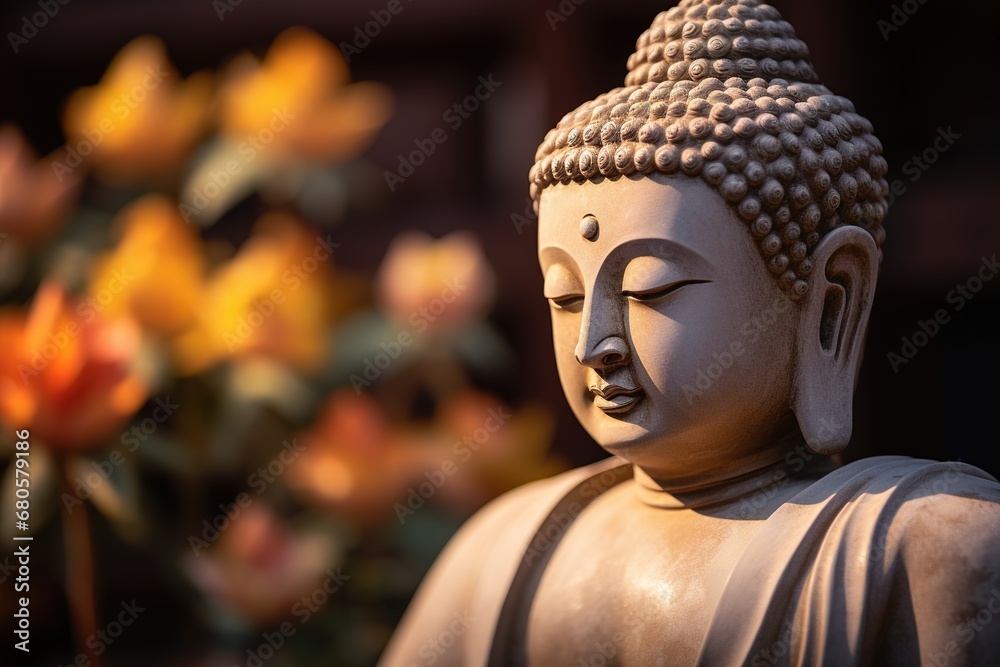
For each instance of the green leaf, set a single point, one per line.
(222, 176)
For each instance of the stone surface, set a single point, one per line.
(722, 532)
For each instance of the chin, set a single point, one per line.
(620, 434)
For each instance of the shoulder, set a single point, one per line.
(950, 514)
(924, 536)
(512, 519)
(933, 512)
(946, 529)
(473, 573)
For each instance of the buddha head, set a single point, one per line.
(709, 236)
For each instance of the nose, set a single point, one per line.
(601, 344)
(607, 353)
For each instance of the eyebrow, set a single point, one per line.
(660, 247)
(553, 254)
(668, 249)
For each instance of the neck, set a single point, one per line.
(763, 477)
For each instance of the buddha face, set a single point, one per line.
(673, 341)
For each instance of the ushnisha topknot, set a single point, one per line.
(723, 89)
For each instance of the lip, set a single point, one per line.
(615, 400)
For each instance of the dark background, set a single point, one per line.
(935, 72)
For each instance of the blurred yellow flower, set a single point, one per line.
(155, 273)
(68, 374)
(34, 200)
(276, 298)
(141, 120)
(300, 101)
(438, 285)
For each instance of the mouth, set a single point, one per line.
(615, 400)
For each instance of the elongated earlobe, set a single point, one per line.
(831, 336)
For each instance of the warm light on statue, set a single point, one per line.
(709, 238)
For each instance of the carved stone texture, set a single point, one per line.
(726, 91)
(722, 532)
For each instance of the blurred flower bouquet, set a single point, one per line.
(176, 312)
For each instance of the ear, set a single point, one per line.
(831, 336)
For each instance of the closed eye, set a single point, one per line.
(570, 302)
(659, 292)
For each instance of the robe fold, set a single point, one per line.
(813, 586)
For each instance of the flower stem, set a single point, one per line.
(80, 574)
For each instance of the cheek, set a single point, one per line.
(565, 333)
(673, 344)
(657, 343)
(723, 360)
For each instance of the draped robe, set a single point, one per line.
(818, 584)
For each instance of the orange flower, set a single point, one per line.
(354, 464)
(275, 298)
(260, 571)
(141, 120)
(66, 374)
(299, 100)
(447, 283)
(34, 201)
(162, 262)
(502, 448)
(357, 465)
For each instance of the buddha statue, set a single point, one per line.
(709, 237)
